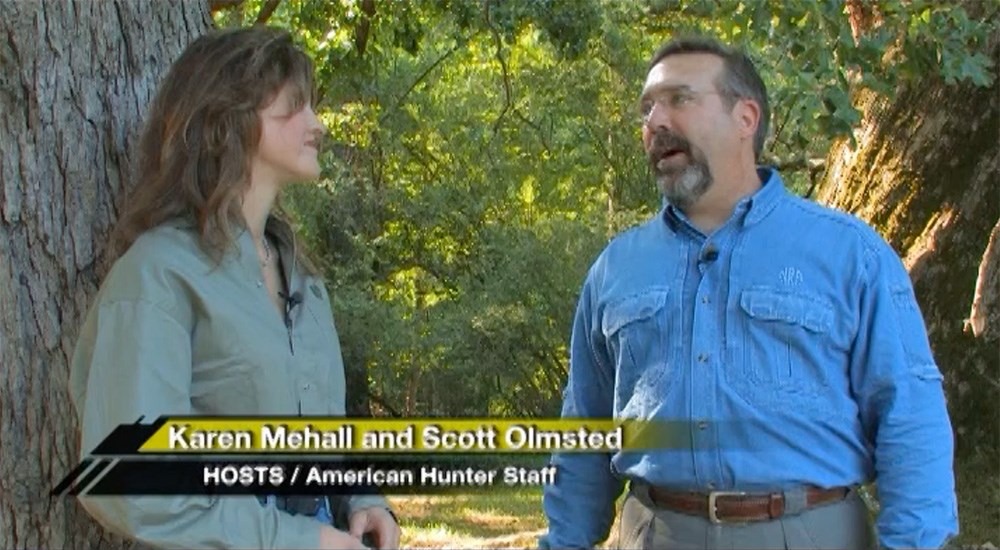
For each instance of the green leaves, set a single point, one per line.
(840, 115)
(483, 153)
(942, 39)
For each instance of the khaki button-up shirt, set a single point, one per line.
(173, 332)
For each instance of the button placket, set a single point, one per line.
(307, 384)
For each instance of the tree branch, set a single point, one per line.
(503, 69)
(555, 380)
(220, 5)
(815, 167)
(600, 147)
(266, 11)
(535, 127)
(374, 396)
(983, 317)
(799, 163)
(423, 75)
(776, 138)
(363, 26)
(432, 168)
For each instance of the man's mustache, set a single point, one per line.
(664, 141)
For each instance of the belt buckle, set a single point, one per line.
(713, 498)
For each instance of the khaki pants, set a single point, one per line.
(842, 524)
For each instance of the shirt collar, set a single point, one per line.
(243, 250)
(675, 218)
(761, 203)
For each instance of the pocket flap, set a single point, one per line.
(810, 312)
(633, 308)
(926, 371)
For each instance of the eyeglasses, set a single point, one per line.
(673, 98)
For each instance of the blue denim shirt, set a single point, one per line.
(797, 356)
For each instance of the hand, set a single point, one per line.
(335, 539)
(376, 520)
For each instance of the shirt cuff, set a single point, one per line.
(360, 502)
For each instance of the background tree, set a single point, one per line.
(923, 171)
(75, 79)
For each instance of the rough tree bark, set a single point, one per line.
(75, 80)
(924, 173)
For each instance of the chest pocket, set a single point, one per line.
(810, 313)
(638, 331)
(785, 346)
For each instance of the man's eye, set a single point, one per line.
(679, 99)
(645, 108)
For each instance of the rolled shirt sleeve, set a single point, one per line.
(580, 504)
(134, 360)
(903, 410)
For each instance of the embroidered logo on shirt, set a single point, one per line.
(791, 276)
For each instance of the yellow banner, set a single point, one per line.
(338, 436)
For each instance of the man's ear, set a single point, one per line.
(746, 112)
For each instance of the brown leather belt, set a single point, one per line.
(738, 507)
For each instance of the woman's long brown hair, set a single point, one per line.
(202, 130)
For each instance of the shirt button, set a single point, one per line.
(306, 387)
(702, 425)
(260, 283)
(710, 486)
(704, 299)
(702, 357)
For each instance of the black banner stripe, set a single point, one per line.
(100, 467)
(420, 475)
(70, 477)
(127, 438)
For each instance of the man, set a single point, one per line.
(782, 337)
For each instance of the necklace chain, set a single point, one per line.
(267, 251)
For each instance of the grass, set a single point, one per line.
(504, 519)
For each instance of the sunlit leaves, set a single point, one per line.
(482, 152)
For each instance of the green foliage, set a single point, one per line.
(482, 153)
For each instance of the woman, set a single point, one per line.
(210, 308)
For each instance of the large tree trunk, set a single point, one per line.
(924, 173)
(75, 80)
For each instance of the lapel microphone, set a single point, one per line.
(291, 300)
(710, 255)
